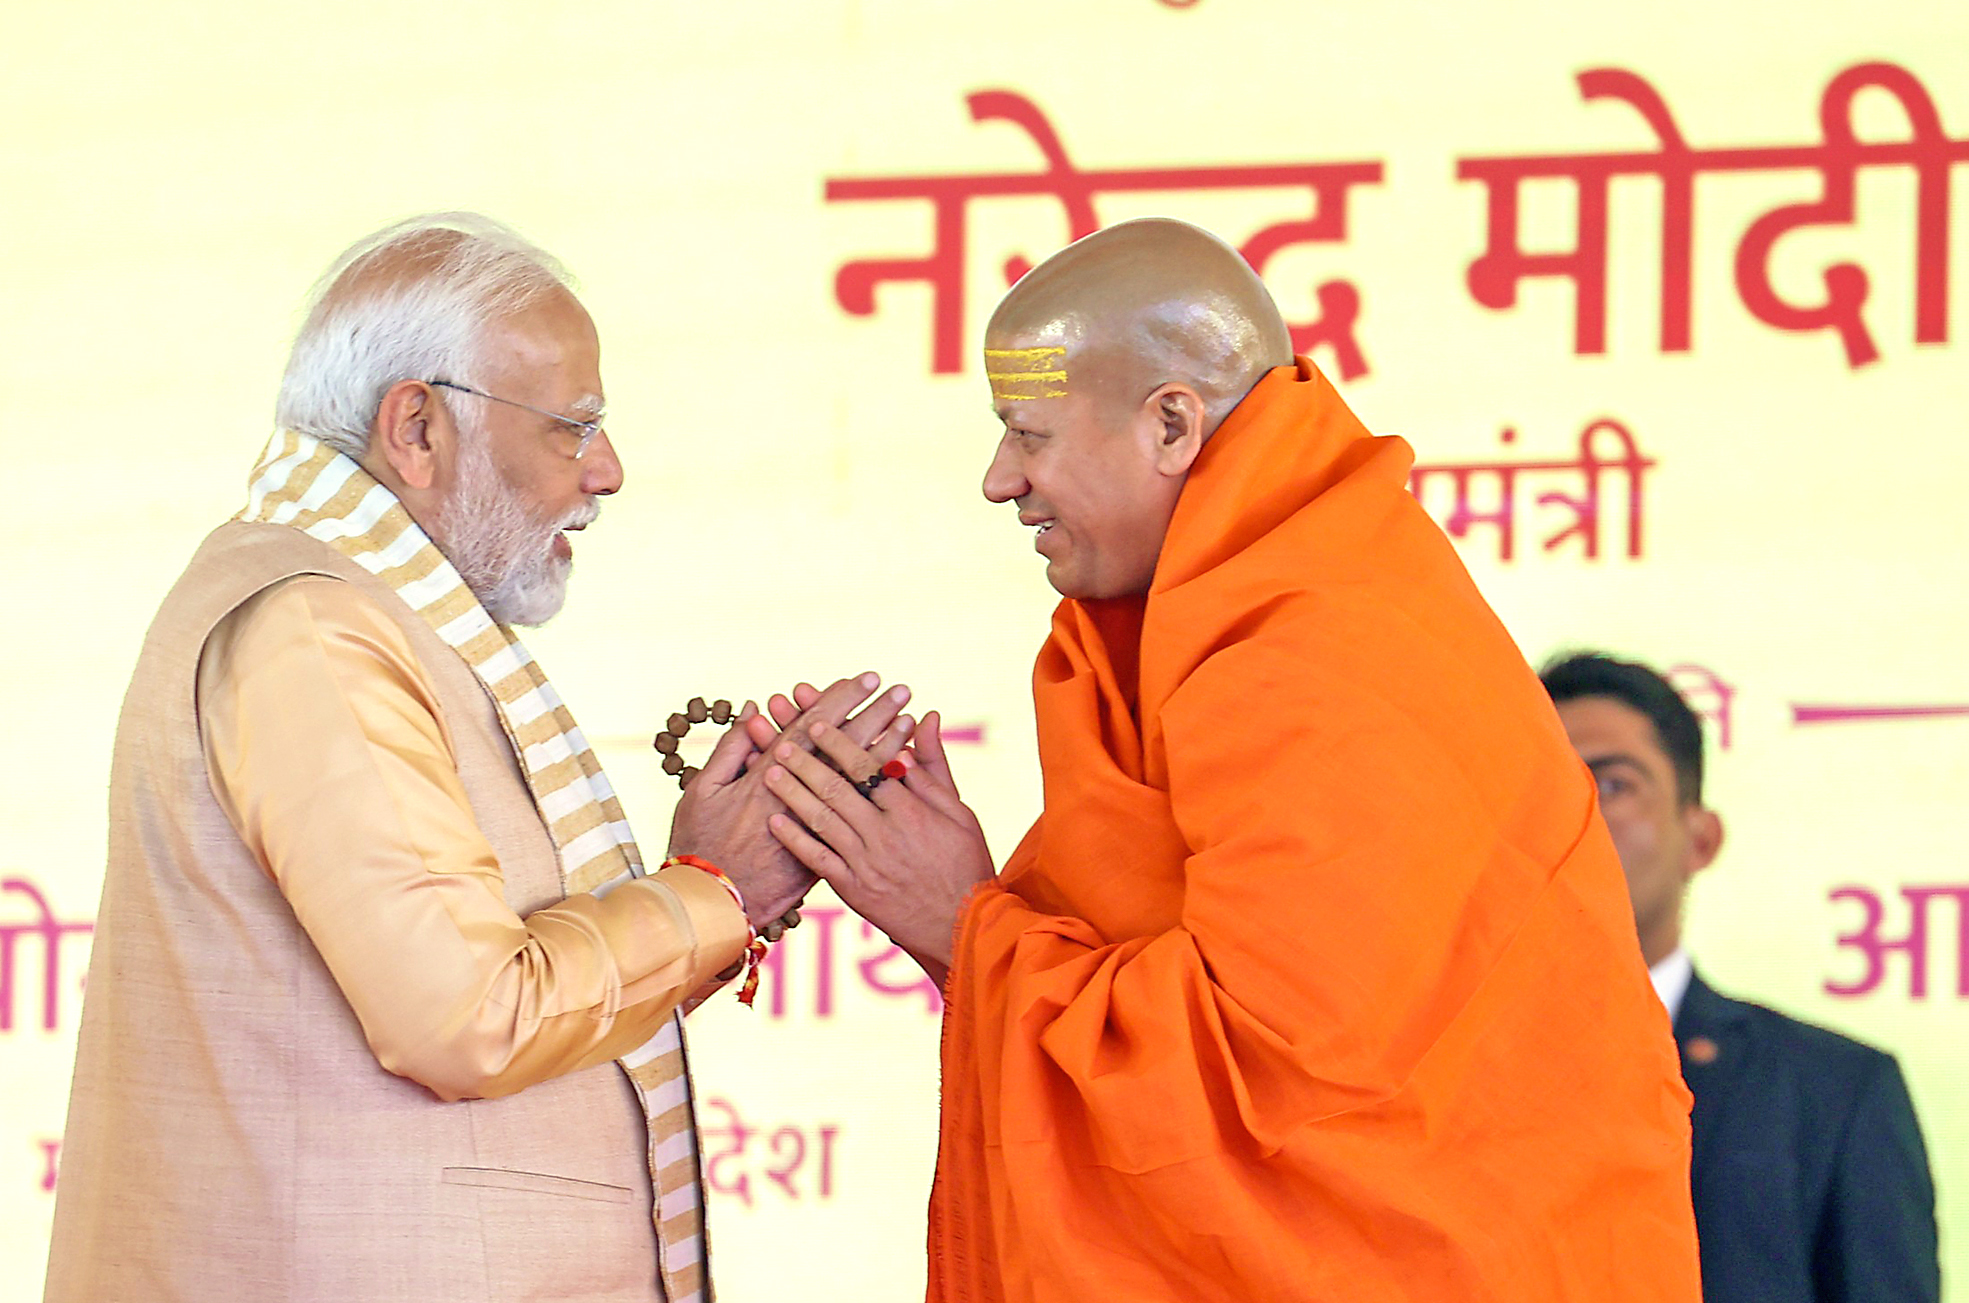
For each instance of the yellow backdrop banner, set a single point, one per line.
(1669, 299)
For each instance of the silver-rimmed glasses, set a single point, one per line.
(586, 429)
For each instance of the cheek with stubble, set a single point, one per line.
(1652, 885)
(1063, 561)
(1135, 549)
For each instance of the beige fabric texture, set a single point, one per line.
(307, 484)
(233, 1131)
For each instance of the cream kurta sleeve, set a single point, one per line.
(325, 749)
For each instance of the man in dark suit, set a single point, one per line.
(1810, 1178)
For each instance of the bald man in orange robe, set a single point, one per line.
(1316, 978)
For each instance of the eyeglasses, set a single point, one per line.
(586, 429)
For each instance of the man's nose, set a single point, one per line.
(601, 469)
(1003, 479)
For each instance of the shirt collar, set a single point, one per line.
(1671, 978)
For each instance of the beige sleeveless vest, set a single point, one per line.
(230, 1135)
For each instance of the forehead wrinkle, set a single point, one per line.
(1029, 414)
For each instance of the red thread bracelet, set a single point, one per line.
(738, 897)
(755, 945)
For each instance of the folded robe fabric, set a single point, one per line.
(1317, 977)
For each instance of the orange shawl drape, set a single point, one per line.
(1317, 977)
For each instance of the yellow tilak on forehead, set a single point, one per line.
(1020, 374)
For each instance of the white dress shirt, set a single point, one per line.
(1671, 978)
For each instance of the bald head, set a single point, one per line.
(1137, 306)
(1111, 363)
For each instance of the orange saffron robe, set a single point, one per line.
(1317, 978)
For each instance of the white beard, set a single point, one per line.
(502, 550)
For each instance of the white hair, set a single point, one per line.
(410, 302)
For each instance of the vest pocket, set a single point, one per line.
(500, 1178)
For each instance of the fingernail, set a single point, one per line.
(899, 693)
(906, 724)
(774, 774)
(870, 680)
(815, 730)
(784, 751)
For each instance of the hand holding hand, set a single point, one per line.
(878, 728)
(723, 814)
(905, 856)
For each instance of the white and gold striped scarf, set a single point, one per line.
(305, 483)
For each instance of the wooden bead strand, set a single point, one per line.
(667, 742)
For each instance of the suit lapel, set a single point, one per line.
(1715, 1048)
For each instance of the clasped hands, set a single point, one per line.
(794, 794)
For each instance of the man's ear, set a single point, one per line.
(1174, 416)
(411, 433)
(1705, 837)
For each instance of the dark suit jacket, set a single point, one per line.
(1810, 1179)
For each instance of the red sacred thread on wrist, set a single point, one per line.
(755, 945)
(738, 897)
(755, 954)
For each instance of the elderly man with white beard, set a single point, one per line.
(384, 1003)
